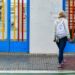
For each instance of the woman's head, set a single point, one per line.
(62, 15)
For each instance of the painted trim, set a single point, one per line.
(28, 24)
(8, 22)
(18, 20)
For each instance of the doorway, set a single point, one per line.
(14, 26)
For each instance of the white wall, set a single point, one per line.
(42, 16)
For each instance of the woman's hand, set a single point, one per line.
(54, 40)
(70, 40)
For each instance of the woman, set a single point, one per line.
(61, 35)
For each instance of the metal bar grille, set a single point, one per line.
(22, 20)
(18, 20)
(18, 30)
(73, 19)
(14, 19)
(2, 20)
(70, 8)
(69, 13)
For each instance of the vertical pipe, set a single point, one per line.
(18, 20)
(22, 20)
(14, 19)
(73, 19)
(3, 17)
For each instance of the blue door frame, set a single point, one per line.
(15, 46)
(70, 47)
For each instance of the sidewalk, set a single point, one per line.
(34, 62)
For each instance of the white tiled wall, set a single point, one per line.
(42, 16)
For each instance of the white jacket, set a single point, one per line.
(62, 34)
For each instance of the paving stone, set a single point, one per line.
(34, 62)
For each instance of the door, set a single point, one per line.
(69, 8)
(14, 26)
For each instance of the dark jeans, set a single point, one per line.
(61, 45)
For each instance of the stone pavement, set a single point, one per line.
(34, 62)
